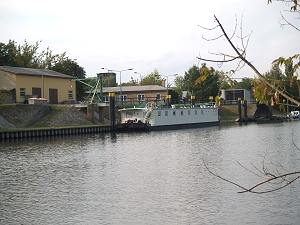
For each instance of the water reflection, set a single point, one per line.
(147, 178)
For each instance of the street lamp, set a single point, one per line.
(168, 85)
(140, 76)
(42, 83)
(120, 71)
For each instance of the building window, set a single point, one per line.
(105, 99)
(70, 94)
(123, 99)
(141, 97)
(22, 92)
(37, 92)
(157, 96)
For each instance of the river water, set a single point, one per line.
(150, 178)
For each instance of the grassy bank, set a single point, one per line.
(230, 112)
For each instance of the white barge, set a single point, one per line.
(152, 117)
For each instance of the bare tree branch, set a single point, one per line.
(241, 56)
(270, 178)
(217, 61)
(287, 23)
(279, 176)
(293, 141)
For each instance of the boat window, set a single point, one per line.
(202, 111)
(128, 114)
(189, 112)
(196, 112)
(166, 113)
(159, 113)
(181, 112)
(174, 113)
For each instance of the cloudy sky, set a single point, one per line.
(147, 35)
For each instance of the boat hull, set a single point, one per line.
(144, 127)
(131, 127)
(183, 126)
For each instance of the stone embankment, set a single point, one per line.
(35, 115)
(32, 121)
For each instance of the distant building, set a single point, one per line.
(135, 94)
(230, 96)
(106, 75)
(25, 83)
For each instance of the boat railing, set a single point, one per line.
(147, 115)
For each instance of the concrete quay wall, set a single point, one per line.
(15, 134)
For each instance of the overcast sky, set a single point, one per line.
(147, 35)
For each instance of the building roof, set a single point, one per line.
(145, 88)
(34, 72)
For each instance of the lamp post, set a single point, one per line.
(140, 76)
(120, 71)
(42, 83)
(168, 85)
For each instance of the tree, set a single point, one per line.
(245, 83)
(290, 69)
(225, 85)
(190, 78)
(292, 84)
(27, 55)
(280, 177)
(202, 82)
(225, 81)
(70, 67)
(153, 78)
(132, 82)
(2, 97)
(8, 54)
(209, 83)
(241, 57)
(264, 93)
(294, 9)
(109, 82)
(15, 55)
(179, 85)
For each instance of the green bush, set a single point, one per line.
(2, 98)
